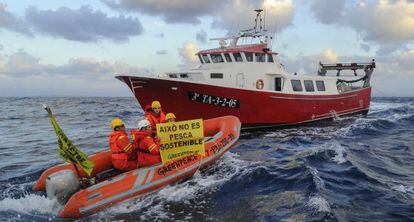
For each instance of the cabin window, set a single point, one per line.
(296, 85)
(320, 85)
(260, 57)
(278, 84)
(184, 75)
(237, 56)
(172, 75)
(249, 56)
(216, 75)
(216, 58)
(309, 86)
(201, 59)
(228, 58)
(270, 58)
(206, 59)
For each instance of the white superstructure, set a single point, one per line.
(256, 67)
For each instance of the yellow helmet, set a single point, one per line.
(170, 116)
(155, 104)
(116, 122)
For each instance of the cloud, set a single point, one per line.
(188, 52)
(406, 59)
(308, 64)
(161, 52)
(201, 36)
(172, 11)
(239, 15)
(366, 47)
(329, 56)
(10, 22)
(21, 64)
(390, 24)
(22, 74)
(160, 35)
(188, 55)
(84, 25)
(227, 15)
(1, 47)
(328, 12)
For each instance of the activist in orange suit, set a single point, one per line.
(123, 154)
(154, 115)
(147, 146)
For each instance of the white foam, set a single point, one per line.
(339, 158)
(339, 150)
(409, 191)
(319, 204)
(383, 106)
(31, 203)
(316, 178)
(200, 183)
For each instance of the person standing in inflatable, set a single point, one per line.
(123, 154)
(170, 118)
(154, 115)
(147, 146)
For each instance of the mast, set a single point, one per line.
(258, 31)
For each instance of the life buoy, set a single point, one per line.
(259, 84)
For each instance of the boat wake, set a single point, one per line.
(31, 205)
(185, 199)
(17, 198)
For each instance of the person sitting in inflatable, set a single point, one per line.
(170, 117)
(154, 115)
(123, 154)
(146, 145)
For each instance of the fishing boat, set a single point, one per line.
(61, 182)
(248, 81)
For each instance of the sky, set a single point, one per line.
(75, 48)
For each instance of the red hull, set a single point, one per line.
(255, 108)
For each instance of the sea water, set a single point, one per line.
(358, 168)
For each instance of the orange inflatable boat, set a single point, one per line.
(220, 134)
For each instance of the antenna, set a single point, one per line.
(258, 16)
(258, 31)
(264, 19)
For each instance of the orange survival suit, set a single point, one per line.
(147, 148)
(123, 153)
(154, 118)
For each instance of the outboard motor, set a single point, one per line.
(61, 185)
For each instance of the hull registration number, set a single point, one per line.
(214, 100)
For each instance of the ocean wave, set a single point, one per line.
(326, 152)
(349, 169)
(392, 111)
(406, 190)
(319, 204)
(14, 190)
(31, 204)
(382, 117)
(190, 193)
(316, 178)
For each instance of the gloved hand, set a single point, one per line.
(157, 139)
